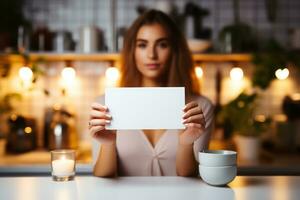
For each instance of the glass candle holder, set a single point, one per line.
(63, 165)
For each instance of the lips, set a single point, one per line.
(152, 66)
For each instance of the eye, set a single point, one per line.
(163, 44)
(141, 45)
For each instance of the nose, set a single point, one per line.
(152, 52)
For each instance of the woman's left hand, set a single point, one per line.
(194, 121)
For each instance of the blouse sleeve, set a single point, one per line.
(208, 111)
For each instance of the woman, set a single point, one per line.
(155, 54)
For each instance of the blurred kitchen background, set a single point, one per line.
(57, 56)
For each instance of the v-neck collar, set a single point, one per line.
(149, 143)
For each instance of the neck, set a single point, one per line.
(150, 83)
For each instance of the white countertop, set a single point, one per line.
(154, 188)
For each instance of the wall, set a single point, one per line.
(72, 14)
(90, 83)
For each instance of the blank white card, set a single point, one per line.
(145, 107)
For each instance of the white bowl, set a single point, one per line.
(198, 45)
(215, 158)
(217, 176)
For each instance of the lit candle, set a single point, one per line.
(63, 167)
(63, 164)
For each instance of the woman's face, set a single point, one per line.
(152, 51)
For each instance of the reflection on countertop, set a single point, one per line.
(149, 188)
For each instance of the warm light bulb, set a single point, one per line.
(68, 73)
(28, 129)
(112, 74)
(199, 72)
(282, 74)
(25, 73)
(236, 74)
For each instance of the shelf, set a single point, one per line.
(55, 57)
(222, 57)
(114, 57)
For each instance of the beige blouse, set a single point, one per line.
(137, 156)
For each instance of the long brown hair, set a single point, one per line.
(180, 72)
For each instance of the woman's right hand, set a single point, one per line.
(99, 117)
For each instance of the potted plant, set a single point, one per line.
(239, 114)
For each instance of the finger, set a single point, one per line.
(190, 105)
(192, 111)
(193, 125)
(195, 119)
(96, 129)
(99, 122)
(98, 106)
(94, 114)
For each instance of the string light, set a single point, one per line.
(236, 74)
(28, 130)
(68, 80)
(112, 74)
(282, 74)
(26, 74)
(68, 73)
(199, 72)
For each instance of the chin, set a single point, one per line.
(152, 75)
